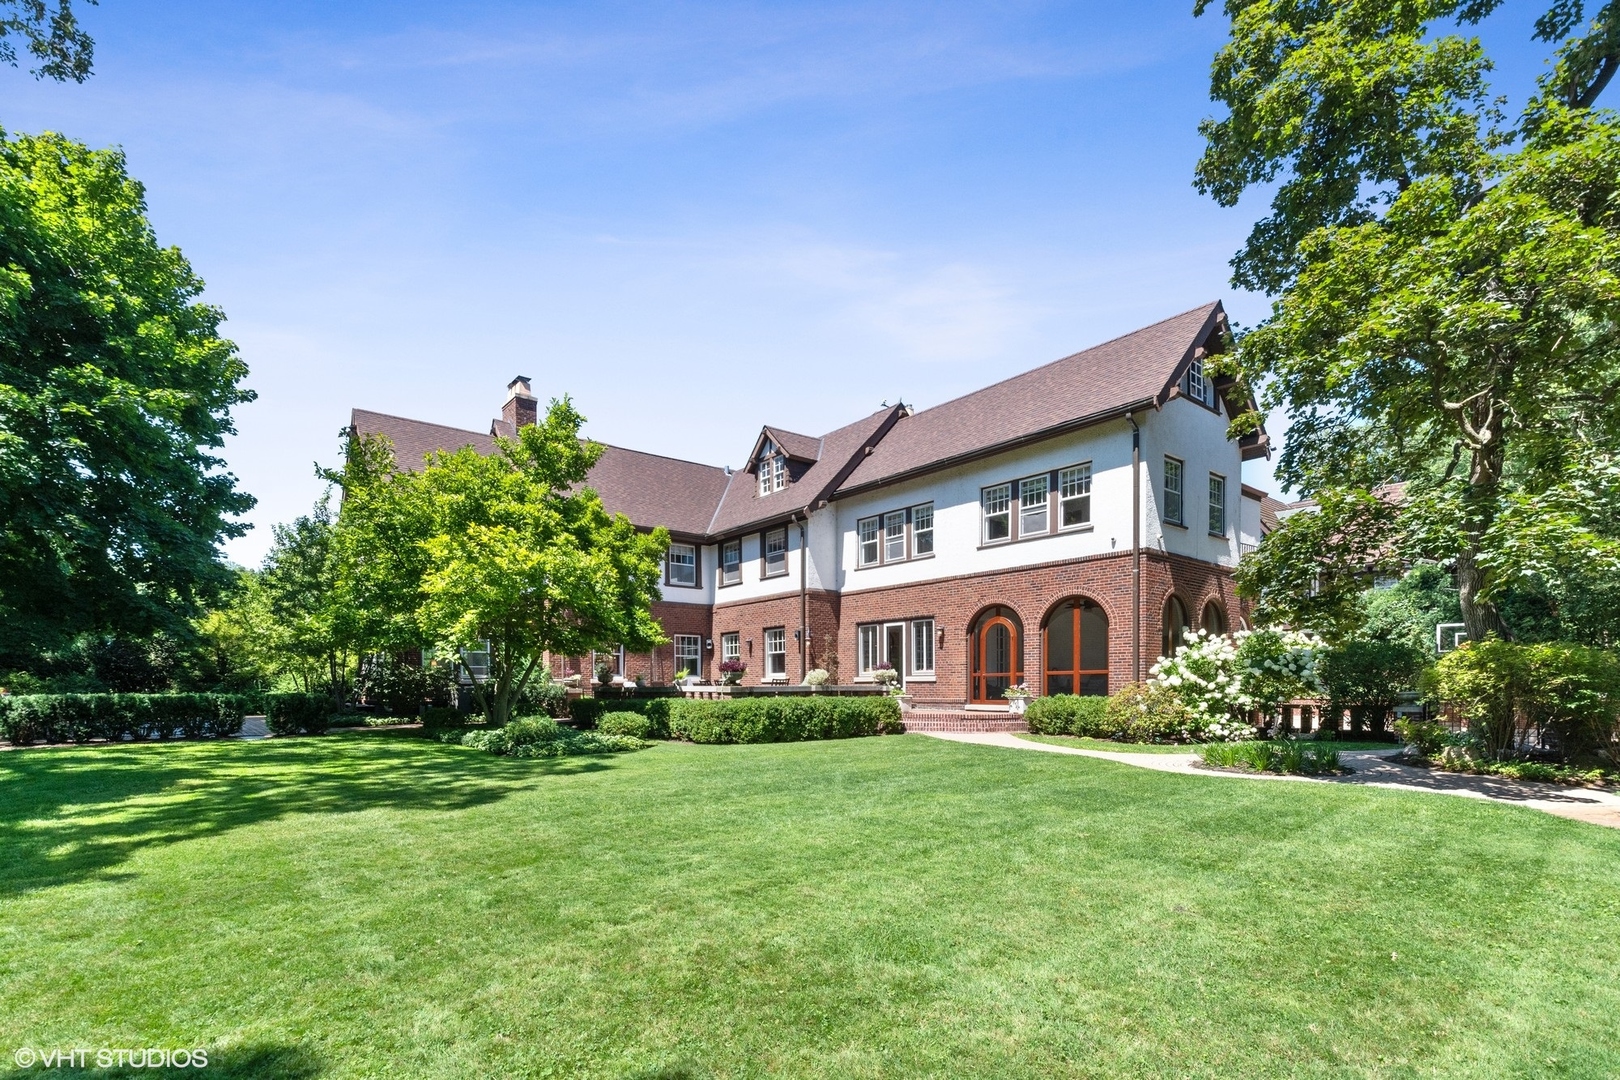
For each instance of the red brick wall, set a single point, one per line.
(1032, 592)
(750, 619)
(953, 603)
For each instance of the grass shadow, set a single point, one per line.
(70, 814)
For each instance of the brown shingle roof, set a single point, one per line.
(840, 451)
(794, 445)
(648, 489)
(1103, 381)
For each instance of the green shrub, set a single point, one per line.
(298, 714)
(1427, 737)
(1150, 713)
(782, 719)
(1367, 677)
(637, 725)
(542, 737)
(1069, 714)
(1507, 692)
(1300, 757)
(586, 712)
(80, 718)
(542, 696)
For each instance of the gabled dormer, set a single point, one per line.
(781, 457)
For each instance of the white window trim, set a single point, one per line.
(768, 675)
(1085, 481)
(670, 564)
(731, 645)
(912, 513)
(1044, 506)
(913, 673)
(725, 579)
(877, 540)
(696, 643)
(891, 538)
(1213, 477)
(1180, 491)
(985, 514)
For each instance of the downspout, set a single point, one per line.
(804, 602)
(1136, 549)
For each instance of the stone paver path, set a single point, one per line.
(1371, 768)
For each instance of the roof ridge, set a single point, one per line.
(1070, 356)
(425, 423)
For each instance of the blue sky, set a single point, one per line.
(693, 218)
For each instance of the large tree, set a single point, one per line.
(1446, 280)
(116, 390)
(508, 552)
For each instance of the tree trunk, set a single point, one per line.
(1480, 617)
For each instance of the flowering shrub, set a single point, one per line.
(1150, 713)
(817, 677)
(1222, 679)
(885, 675)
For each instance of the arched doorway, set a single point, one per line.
(1214, 621)
(1175, 625)
(1076, 648)
(998, 656)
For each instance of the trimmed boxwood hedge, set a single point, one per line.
(79, 718)
(585, 712)
(783, 719)
(298, 714)
(750, 719)
(1069, 714)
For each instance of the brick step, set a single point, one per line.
(950, 720)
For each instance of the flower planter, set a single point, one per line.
(1017, 705)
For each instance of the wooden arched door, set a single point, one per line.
(997, 659)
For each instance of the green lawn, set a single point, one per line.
(378, 905)
(1164, 748)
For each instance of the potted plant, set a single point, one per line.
(888, 678)
(817, 677)
(731, 671)
(1017, 699)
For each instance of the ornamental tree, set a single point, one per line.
(508, 551)
(1447, 284)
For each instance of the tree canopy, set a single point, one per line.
(51, 34)
(508, 552)
(1446, 282)
(116, 390)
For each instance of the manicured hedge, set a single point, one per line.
(79, 718)
(1069, 714)
(585, 712)
(298, 714)
(782, 719)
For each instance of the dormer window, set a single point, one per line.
(1197, 385)
(772, 469)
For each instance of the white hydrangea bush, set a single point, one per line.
(1223, 678)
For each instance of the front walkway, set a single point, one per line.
(1371, 768)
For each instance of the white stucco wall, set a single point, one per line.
(1197, 436)
(955, 495)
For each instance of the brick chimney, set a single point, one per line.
(520, 409)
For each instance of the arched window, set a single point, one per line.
(998, 655)
(1076, 649)
(1175, 624)
(1214, 618)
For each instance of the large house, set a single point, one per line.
(1060, 529)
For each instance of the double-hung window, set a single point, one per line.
(731, 562)
(730, 646)
(922, 646)
(1217, 504)
(1173, 508)
(922, 529)
(682, 564)
(1032, 513)
(776, 552)
(894, 536)
(688, 655)
(772, 469)
(997, 503)
(1074, 496)
(867, 544)
(776, 653)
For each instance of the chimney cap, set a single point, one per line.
(519, 387)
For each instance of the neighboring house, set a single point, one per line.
(1000, 538)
